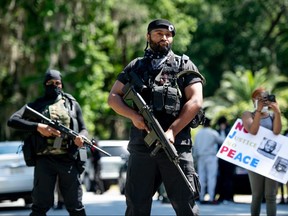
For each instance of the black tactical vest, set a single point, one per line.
(64, 111)
(164, 88)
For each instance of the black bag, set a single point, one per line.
(33, 144)
(28, 152)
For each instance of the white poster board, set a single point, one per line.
(264, 153)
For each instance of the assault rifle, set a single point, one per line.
(156, 135)
(63, 129)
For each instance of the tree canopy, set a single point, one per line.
(90, 42)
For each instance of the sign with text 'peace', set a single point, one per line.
(264, 153)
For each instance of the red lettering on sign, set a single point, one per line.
(231, 153)
(224, 149)
(240, 127)
(245, 159)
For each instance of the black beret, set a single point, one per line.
(52, 74)
(161, 23)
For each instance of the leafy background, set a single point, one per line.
(237, 45)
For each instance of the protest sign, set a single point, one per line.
(264, 153)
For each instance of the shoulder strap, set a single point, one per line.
(70, 103)
(183, 70)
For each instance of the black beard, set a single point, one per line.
(52, 92)
(156, 47)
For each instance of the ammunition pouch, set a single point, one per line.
(167, 98)
(158, 98)
(172, 104)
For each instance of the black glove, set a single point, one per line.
(199, 119)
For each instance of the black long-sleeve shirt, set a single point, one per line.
(19, 122)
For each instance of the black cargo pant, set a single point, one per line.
(45, 174)
(144, 176)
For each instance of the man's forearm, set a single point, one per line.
(119, 106)
(186, 115)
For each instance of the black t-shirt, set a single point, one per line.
(137, 136)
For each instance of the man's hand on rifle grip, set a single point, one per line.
(79, 141)
(47, 131)
(170, 136)
(138, 122)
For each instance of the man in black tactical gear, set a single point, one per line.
(55, 156)
(172, 87)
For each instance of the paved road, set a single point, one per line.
(112, 203)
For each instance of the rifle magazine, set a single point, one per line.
(151, 138)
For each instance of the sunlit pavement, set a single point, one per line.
(111, 203)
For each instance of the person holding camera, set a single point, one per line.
(260, 185)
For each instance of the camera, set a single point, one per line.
(268, 97)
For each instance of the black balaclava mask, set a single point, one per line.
(52, 91)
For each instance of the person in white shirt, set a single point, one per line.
(205, 150)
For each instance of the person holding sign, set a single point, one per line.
(260, 185)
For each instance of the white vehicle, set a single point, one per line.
(16, 179)
(110, 166)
